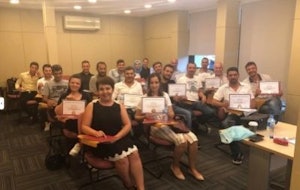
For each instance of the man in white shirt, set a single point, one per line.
(269, 104)
(129, 86)
(221, 100)
(101, 69)
(193, 92)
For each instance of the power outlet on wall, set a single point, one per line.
(1, 103)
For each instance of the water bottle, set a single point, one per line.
(270, 126)
(165, 114)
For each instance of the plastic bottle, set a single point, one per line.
(270, 126)
(165, 115)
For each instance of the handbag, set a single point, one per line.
(54, 159)
(179, 125)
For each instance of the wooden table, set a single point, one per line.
(260, 156)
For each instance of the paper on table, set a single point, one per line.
(99, 139)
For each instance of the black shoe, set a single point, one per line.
(238, 159)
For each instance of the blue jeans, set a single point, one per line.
(185, 113)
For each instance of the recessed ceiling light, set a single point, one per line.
(77, 7)
(147, 6)
(92, 1)
(171, 1)
(14, 1)
(127, 11)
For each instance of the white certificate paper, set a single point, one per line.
(177, 89)
(132, 100)
(153, 104)
(73, 107)
(239, 101)
(269, 87)
(212, 82)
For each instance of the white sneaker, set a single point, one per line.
(75, 150)
(47, 126)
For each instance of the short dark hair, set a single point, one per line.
(34, 63)
(100, 63)
(46, 65)
(56, 68)
(105, 81)
(120, 61)
(168, 65)
(156, 63)
(85, 61)
(232, 69)
(249, 64)
(129, 68)
(190, 63)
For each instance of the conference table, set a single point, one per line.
(260, 156)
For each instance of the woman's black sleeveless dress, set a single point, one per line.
(108, 119)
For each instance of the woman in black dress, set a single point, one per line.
(107, 118)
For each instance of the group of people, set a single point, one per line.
(109, 116)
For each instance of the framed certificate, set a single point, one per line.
(239, 101)
(73, 107)
(269, 87)
(151, 104)
(132, 100)
(212, 82)
(177, 89)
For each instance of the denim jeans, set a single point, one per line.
(185, 113)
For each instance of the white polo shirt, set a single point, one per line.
(225, 90)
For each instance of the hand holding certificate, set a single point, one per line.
(239, 101)
(269, 87)
(131, 100)
(73, 107)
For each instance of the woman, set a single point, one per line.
(105, 117)
(182, 141)
(70, 128)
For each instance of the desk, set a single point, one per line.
(260, 155)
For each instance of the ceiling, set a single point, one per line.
(117, 7)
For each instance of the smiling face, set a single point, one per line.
(129, 76)
(74, 84)
(167, 73)
(251, 70)
(154, 85)
(105, 92)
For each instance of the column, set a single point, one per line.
(50, 32)
(227, 32)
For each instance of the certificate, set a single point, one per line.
(239, 101)
(153, 104)
(212, 82)
(177, 89)
(73, 107)
(132, 100)
(269, 87)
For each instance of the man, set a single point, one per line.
(218, 73)
(270, 104)
(204, 72)
(157, 67)
(118, 73)
(167, 73)
(101, 69)
(221, 100)
(145, 72)
(85, 75)
(176, 73)
(54, 89)
(47, 71)
(193, 92)
(27, 85)
(129, 86)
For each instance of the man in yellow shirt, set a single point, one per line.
(27, 85)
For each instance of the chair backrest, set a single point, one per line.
(11, 89)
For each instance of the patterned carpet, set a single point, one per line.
(23, 148)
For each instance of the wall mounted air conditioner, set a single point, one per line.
(81, 23)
